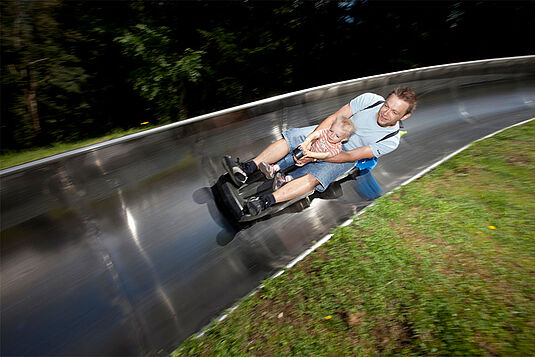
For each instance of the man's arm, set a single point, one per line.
(345, 111)
(316, 155)
(363, 152)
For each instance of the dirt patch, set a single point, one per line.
(353, 319)
(391, 334)
(518, 159)
(310, 265)
(490, 348)
(398, 196)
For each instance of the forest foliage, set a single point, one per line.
(71, 70)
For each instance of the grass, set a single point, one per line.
(13, 158)
(444, 266)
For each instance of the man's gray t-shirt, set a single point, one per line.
(367, 131)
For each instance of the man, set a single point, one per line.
(376, 134)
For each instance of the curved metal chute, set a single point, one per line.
(118, 248)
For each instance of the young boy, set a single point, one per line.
(319, 145)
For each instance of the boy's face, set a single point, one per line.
(336, 133)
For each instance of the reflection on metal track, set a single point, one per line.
(119, 248)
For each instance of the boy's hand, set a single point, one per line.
(305, 159)
(305, 145)
(308, 154)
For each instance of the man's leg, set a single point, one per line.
(293, 189)
(239, 171)
(273, 152)
(280, 148)
(306, 178)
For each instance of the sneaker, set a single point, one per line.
(267, 170)
(279, 181)
(255, 205)
(235, 170)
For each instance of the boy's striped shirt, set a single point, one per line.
(324, 145)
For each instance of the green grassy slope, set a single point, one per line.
(443, 266)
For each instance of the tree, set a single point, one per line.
(161, 74)
(43, 79)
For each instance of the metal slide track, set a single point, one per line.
(118, 248)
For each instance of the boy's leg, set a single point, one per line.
(269, 170)
(286, 162)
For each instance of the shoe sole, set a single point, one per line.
(252, 209)
(227, 164)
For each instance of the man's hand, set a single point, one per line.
(359, 153)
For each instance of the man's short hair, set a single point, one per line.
(406, 95)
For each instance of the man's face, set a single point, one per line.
(393, 110)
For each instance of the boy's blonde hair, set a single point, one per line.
(347, 125)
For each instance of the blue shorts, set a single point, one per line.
(324, 172)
